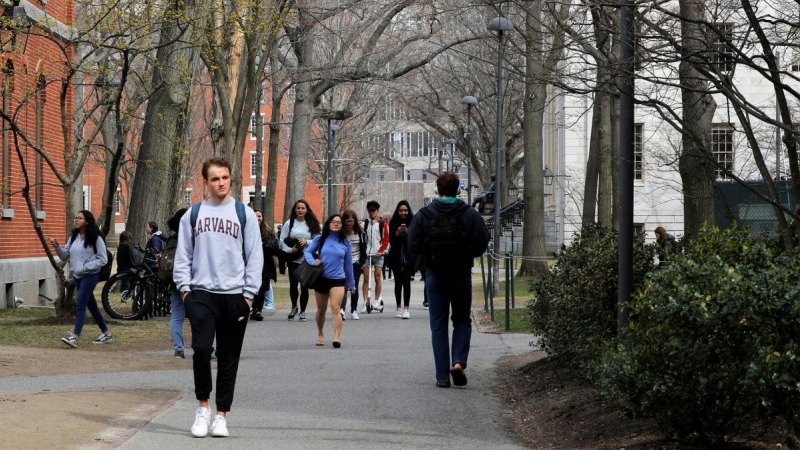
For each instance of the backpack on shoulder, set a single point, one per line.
(167, 261)
(105, 271)
(444, 241)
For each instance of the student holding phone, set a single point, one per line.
(400, 258)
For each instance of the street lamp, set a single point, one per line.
(470, 101)
(449, 157)
(332, 129)
(500, 25)
(456, 165)
(548, 176)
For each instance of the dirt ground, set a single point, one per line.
(79, 420)
(554, 409)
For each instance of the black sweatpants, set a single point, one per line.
(224, 316)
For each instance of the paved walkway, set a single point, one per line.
(377, 391)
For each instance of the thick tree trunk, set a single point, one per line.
(533, 242)
(696, 163)
(164, 131)
(605, 192)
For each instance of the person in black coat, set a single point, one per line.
(269, 273)
(400, 259)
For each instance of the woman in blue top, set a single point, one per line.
(86, 253)
(332, 249)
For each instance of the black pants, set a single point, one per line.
(294, 283)
(258, 302)
(402, 284)
(224, 316)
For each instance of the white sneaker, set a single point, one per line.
(364, 307)
(398, 312)
(341, 311)
(406, 315)
(220, 427)
(354, 315)
(380, 305)
(269, 309)
(201, 418)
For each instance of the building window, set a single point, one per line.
(408, 175)
(722, 46)
(382, 176)
(794, 65)
(254, 126)
(117, 203)
(187, 198)
(638, 228)
(722, 150)
(87, 198)
(424, 176)
(8, 87)
(254, 165)
(39, 117)
(638, 144)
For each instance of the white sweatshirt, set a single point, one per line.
(213, 260)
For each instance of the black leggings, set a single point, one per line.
(402, 284)
(294, 283)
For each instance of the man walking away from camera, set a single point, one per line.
(218, 272)
(449, 235)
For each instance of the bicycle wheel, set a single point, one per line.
(129, 305)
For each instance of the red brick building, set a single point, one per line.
(30, 84)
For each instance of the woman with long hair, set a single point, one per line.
(295, 236)
(86, 253)
(269, 244)
(332, 250)
(358, 244)
(400, 258)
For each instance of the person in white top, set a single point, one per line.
(376, 230)
(296, 234)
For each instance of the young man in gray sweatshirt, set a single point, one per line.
(218, 272)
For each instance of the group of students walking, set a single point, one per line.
(224, 266)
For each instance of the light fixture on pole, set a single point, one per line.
(470, 101)
(456, 165)
(501, 25)
(449, 157)
(332, 129)
(548, 176)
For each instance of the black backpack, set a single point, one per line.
(105, 271)
(167, 261)
(444, 241)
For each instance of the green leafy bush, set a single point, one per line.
(575, 309)
(711, 351)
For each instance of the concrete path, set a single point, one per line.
(377, 391)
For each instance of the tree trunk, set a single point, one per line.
(164, 130)
(533, 241)
(605, 191)
(696, 163)
(592, 169)
(300, 142)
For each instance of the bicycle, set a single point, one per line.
(145, 297)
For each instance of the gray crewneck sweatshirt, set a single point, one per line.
(214, 261)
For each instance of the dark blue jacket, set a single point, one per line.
(399, 252)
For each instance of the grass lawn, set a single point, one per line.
(519, 324)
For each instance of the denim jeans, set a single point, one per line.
(449, 294)
(85, 287)
(176, 319)
(268, 297)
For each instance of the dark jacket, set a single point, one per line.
(270, 271)
(476, 238)
(123, 258)
(665, 249)
(399, 252)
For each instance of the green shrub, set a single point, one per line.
(575, 309)
(711, 351)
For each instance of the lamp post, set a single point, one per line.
(449, 157)
(470, 101)
(500, 25)
(456, 165)
(332, 129)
